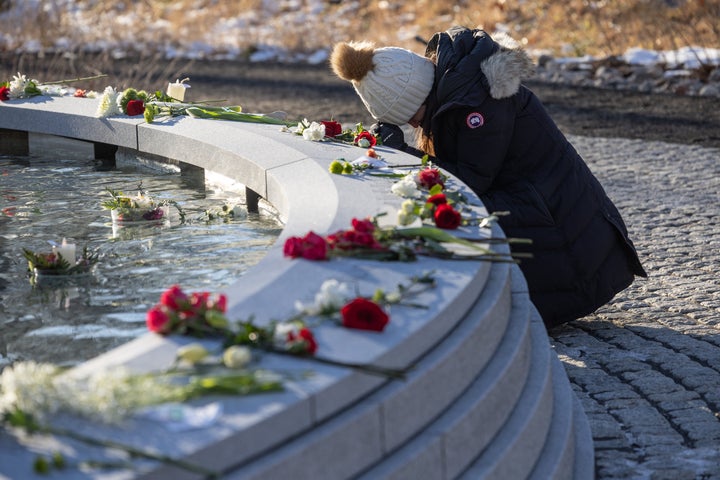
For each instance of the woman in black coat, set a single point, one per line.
(482, 125)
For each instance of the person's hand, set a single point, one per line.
(391, 135)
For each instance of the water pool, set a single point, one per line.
(56, 193)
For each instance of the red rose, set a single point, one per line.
(173, 297)
(437, 199)
(4, 94)
(363, 314)
(157, 320)
(430, 177)
(367, 136)
(135, 107)
(293, 247)
(312, 247)
(363, 226)
(80, 93)
(447, 217)
(332, 128)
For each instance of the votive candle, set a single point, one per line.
(177, 90)
(66, 251)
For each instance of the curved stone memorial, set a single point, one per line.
(485, 396)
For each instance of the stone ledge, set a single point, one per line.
(335, 406)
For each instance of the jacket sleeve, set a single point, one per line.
(480, 138)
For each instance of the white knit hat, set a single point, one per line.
(392, 82)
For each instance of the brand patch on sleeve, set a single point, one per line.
(475, 120)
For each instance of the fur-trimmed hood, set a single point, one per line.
(471, 65)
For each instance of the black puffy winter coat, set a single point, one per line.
(494, 134)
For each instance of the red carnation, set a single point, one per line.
(135, 107)
(367, 136)
(157, 320)
(447, 217)
(4, 94)
(332, 128)
(363, 314)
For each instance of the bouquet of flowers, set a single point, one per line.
(139, 208)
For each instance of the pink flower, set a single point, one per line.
(4, 94)
(157, 320)
(173, 297)
(430, 177)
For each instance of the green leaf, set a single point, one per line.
(233, 113)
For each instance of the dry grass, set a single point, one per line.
(572, 27)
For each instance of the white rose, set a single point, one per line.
(237, 356)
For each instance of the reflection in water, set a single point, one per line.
(69, 320)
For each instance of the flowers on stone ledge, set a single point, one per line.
(23, 87)
(330, 130)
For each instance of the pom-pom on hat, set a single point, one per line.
(392, 82)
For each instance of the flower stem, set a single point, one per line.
(70, 80)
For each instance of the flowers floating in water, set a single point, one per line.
(53, 263)
(138, 208)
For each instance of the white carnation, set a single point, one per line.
(108, 105)
(315, 132)
(405, 187)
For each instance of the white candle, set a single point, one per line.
(66, 251)
(177, 90)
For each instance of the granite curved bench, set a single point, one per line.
(486, 396)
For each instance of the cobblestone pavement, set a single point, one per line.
(646, 367)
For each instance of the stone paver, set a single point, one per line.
(646, 367)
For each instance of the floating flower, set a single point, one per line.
(4, 94)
